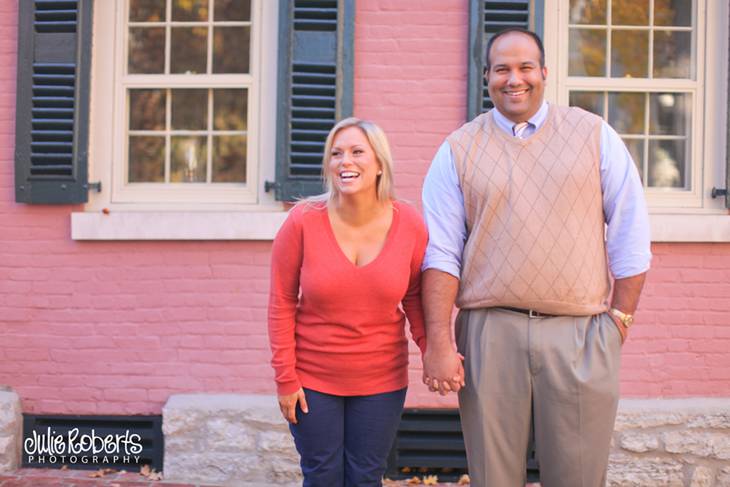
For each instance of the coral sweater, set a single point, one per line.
(335, 327)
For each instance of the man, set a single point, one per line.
(517, 202)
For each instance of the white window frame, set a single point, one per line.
(676, 216)
(117, 213)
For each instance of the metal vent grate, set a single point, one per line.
(52, 120)
(501, 15)
(430, 442)
(38, 429)
(55, 16)
(315, 15)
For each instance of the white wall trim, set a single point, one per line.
(182, 225)
(690, 228)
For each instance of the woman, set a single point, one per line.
(339, 349)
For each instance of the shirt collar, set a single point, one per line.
(536, 120)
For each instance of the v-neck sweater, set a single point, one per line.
(336, 327)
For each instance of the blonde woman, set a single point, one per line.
(345, 273)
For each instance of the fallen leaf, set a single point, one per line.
(145, 470)
(64, 467)
(447, 470)
(108, 470)
(423, 469)
(98, 474)
(413, 481)
(464, 480)
(406, 469)
(430, 480)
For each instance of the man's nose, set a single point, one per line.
(514, 77)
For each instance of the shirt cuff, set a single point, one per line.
(443, 266)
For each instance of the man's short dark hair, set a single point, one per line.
(510, 30)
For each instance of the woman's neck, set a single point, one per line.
(358, 210)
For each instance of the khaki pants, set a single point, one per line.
(562, 371)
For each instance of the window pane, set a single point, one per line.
(231, 49)
(189, 10)
(188, 159)
(626, 112)
(672, 54)
(230, 108)
(629, 53)
(189, 109)
(147, 109)
(587, 52)
(673, 12)
(587, 11)
(630, 12)
(147, 10)
(666, 163)
(636, 149)
(146, 50)
(591, 101)
(146, 159)
(232, 10)
(669, 114)
(188, 53)
(229, 159)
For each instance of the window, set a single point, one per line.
(186, 93)
(640, 64)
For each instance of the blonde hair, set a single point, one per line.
(379, 143)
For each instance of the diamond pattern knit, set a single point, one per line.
(534, 212)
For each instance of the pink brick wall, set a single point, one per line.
(116, 327)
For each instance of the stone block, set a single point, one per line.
(228, 439)
(702, 477)
(723, 477)
(628, 471)
(639, 442)
(11, 430)
(701, 444)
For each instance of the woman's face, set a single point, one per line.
(353, 166)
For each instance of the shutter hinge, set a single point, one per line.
(716, 192)
(93, 186)
(269, 185)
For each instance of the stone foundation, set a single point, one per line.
(671, 442)
(229, 439)
(11, 430)
(243, 440)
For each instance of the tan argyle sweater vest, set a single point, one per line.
(534, 214)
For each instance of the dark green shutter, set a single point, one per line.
(315, 88)
(485, 19)
(727, 151)
(54, 58)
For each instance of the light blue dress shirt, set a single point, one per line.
(624, 207)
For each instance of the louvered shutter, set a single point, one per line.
(485, 19)
(315, 88)
(54, 58)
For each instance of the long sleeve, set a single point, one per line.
(624, 206)
(412, 300)
(286, 263)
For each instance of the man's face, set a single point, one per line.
(515, 80)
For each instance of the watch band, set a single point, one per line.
(626, 319)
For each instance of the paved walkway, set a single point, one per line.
(48, 477)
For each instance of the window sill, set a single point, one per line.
(690, 228)
(179, 225)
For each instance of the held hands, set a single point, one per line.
(443, 370)
(288, 405)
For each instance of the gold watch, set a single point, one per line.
(625, 319)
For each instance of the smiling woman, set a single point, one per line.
(345, 273)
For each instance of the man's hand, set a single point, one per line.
(443, 370)
(288, 405)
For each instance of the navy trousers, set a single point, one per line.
(344, 441)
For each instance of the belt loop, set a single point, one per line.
(534, 314)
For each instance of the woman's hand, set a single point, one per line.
(288, 405)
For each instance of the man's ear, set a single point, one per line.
(544, 72)
(486, 75)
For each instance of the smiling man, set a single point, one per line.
(531, 207)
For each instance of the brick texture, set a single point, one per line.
(116, 327)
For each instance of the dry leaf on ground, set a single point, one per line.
(430, 480)
(464, 480)
(98, 474)
(413, 481)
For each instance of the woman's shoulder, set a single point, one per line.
(409, 215)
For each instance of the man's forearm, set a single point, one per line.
(626, 293)
(438, 291)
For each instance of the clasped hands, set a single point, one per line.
(443, 369)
